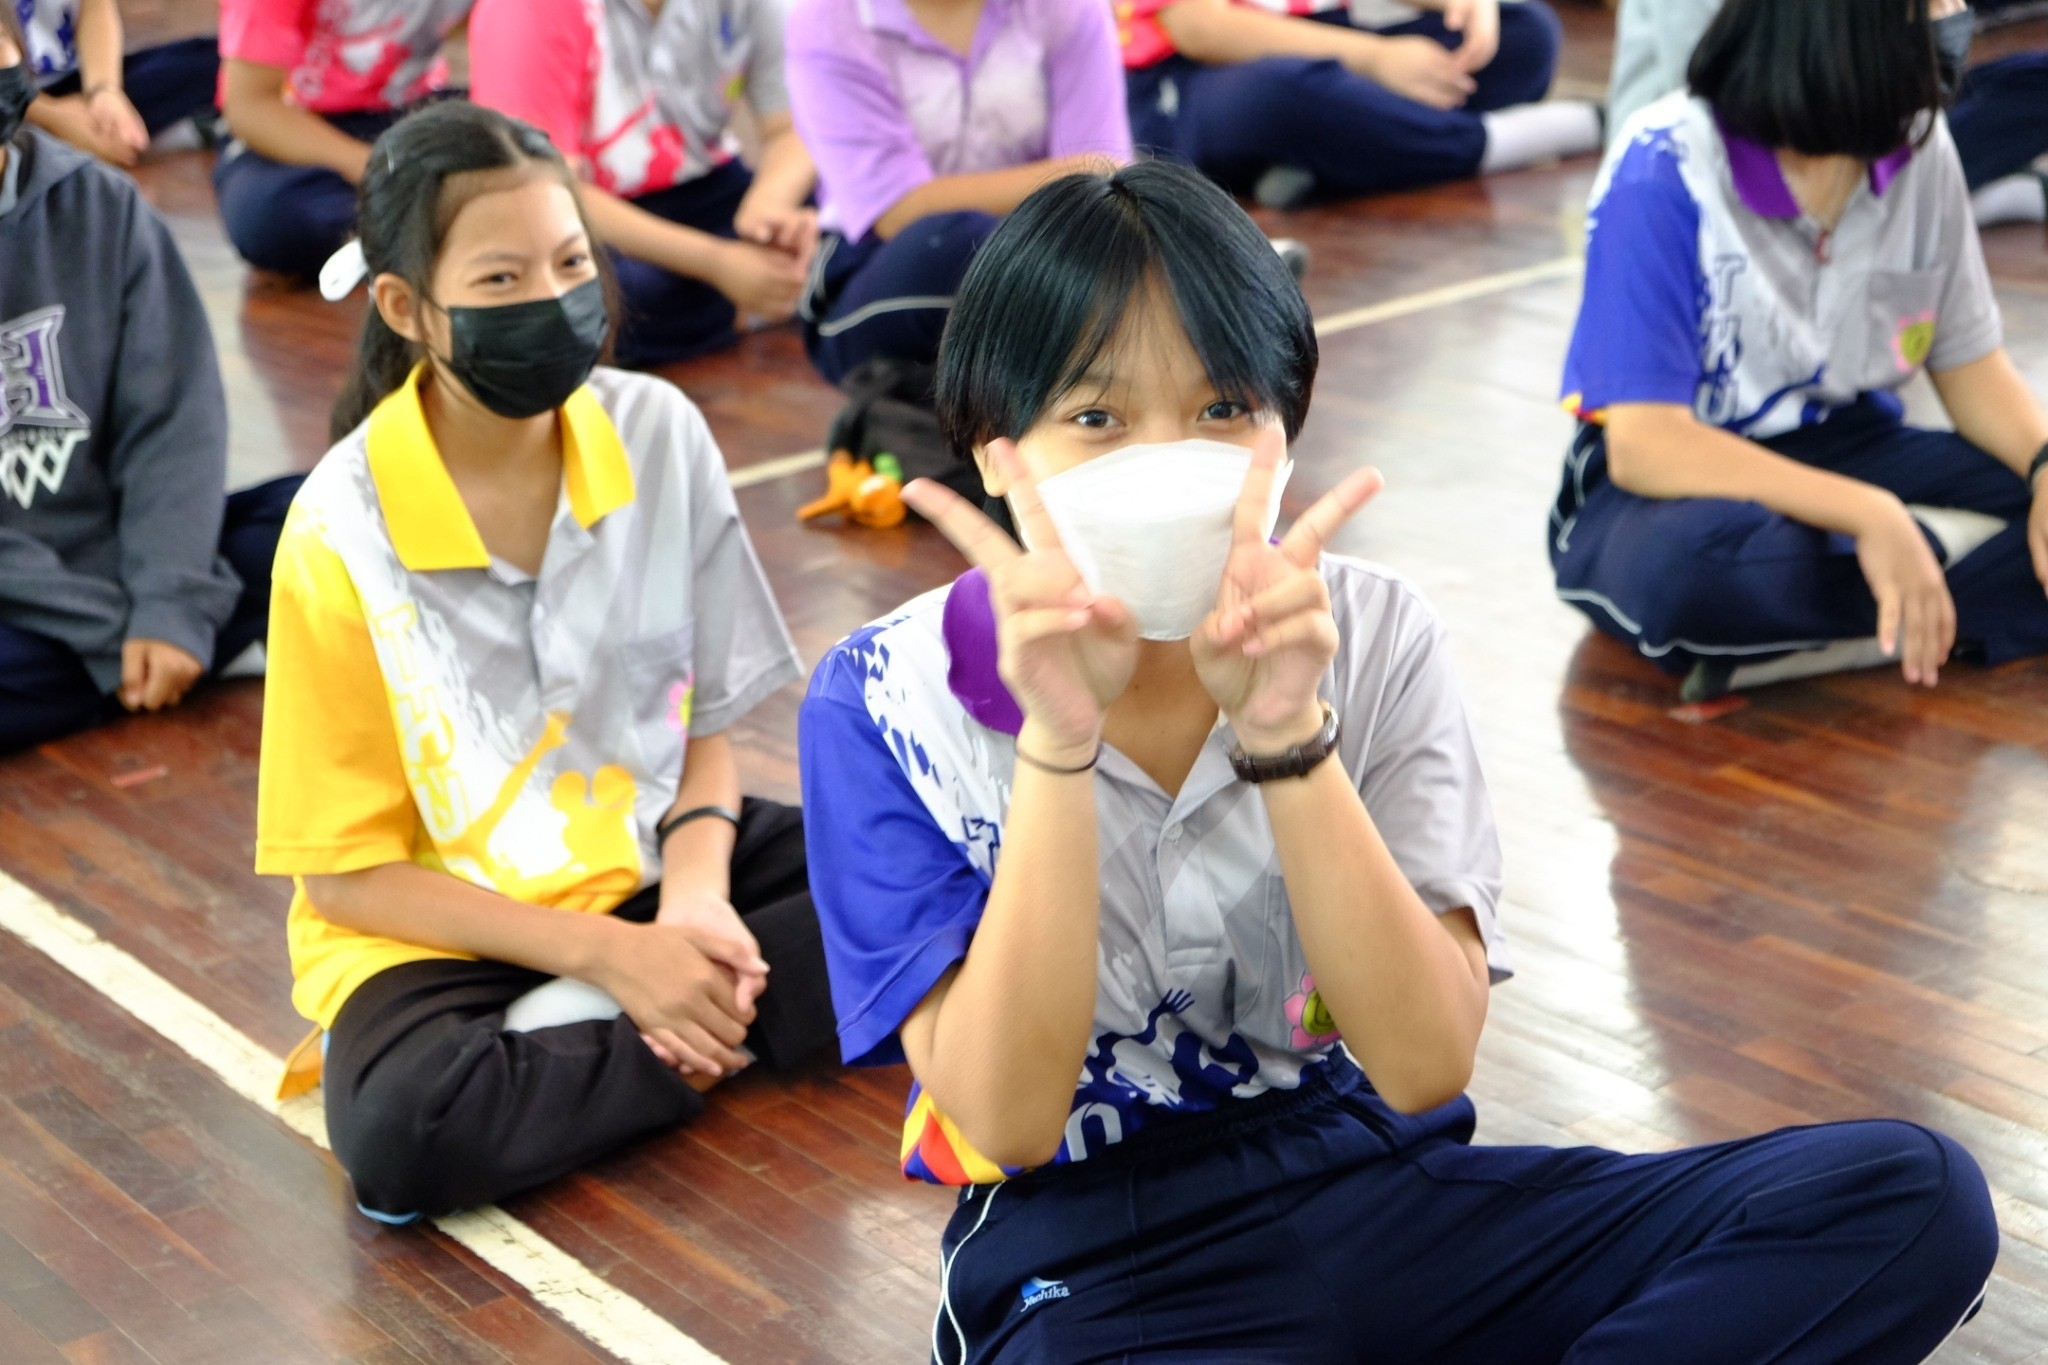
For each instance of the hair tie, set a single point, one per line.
(344, 270)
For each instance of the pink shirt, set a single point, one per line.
(640, 101)
(884, 107)
(345, 55)
(1144, 40)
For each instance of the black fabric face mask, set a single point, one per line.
(522, 359)
(17, 92)
(1952, 36)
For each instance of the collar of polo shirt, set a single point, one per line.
(430, 527)
(1760, 181)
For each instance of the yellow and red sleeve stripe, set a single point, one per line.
(934, 1150)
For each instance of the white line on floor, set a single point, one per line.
(620, 1324)
(767, 471)
(1562, 268)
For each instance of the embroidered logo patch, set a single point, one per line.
(1037, 1291)
(1912, 341)
(1313, 1025)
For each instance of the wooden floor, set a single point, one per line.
(1832, 902)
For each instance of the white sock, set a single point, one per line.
(1528, 133)
(1959, 531)
(2019, 198)
(1840, 657)
(565, 1000)
(252, 662)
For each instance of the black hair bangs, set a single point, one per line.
(1822, 77)
(1049, 291)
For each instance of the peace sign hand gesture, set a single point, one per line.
(1262, 651)
(1064, 652)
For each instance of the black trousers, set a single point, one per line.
(433, 1106)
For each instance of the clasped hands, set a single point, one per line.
(689, 980)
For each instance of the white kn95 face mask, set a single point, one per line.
(1150, 526)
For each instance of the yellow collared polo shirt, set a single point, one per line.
(428, 703)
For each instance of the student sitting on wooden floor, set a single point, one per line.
(1287, 99)
(98, 100)
(1999, 120)
(640, 97)
(1771, 259)
(516, 613)
(929, 119)
(123, 579)
(1176, 884)
(307, 86)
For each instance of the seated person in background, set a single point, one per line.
(929, 120)
(1285, 99)
(100, 101)
(1999, 120)
(640, 96)
(516, 612)
(1743, 501)
(1176, 884)
(123, 579)
(307, 86)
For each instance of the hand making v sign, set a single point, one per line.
(1064, 652)
(1264, 649)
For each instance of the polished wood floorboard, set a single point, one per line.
(1825, 904)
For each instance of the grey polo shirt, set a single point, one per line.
(1203, 992)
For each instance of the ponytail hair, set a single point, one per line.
(403, 211)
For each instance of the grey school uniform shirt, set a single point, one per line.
(113, 424)
(1203, 993)
(1707, 286)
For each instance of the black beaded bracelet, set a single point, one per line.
(1055, 769)
(676, 822)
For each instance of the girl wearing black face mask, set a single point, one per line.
(515, 612)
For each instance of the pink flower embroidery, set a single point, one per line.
(1313, 1026)
(680, 697)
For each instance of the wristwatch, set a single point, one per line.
(1294, 762)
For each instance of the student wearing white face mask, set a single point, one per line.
(1166, 807)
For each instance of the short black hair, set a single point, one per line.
(1046, 293)
(1822, 77)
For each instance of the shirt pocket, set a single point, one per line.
(661, 692)
(1899, 319)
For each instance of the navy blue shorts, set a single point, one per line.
(670, 317)
(46, 692)
(286, 218)
(1318, 1226)
(1351, 133)
(875, 298)
(1681, 579)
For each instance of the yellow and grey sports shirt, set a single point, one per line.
(430, 703)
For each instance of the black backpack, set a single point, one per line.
(890, 410)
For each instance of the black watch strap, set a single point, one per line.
(1295, 762)
(676, 822)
